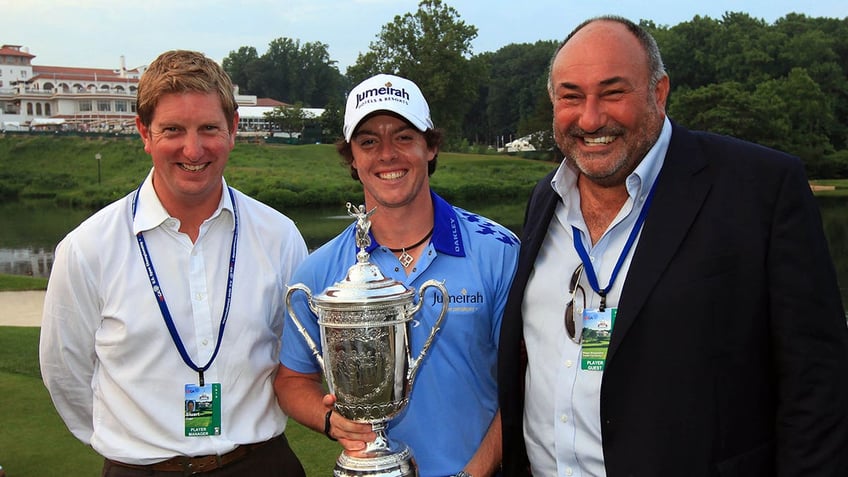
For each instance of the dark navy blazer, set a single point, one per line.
(729, 355)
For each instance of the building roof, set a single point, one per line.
(82, 74)
(270, 102)
(14, 50)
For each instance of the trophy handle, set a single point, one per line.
(413, 363)
(300, 328)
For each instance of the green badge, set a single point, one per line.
(597, 330)
(203, 410)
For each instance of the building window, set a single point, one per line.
(47, 110)
(29, 109)
(104, 105)
(85, 106)
(121, 106)
(38, 109)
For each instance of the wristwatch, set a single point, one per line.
(462, 473)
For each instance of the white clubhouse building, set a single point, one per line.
(34, 97)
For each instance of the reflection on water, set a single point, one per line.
(29, 234)
(26, 261)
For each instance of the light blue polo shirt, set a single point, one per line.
(454, 397)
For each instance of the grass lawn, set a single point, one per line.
(34, 441)
(21, 283)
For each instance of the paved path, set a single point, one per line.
(21, 308)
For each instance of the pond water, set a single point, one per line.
(29, 233)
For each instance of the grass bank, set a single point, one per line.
(64, 170)
(34, 441)
(21, 283)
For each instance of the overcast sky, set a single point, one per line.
(96, 33)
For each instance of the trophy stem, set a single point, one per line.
(381, 445)
(381, 458)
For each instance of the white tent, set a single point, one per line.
(46, 122)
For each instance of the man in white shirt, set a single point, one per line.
(164, 310)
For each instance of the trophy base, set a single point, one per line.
(400, 463)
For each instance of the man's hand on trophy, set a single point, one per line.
(352, 435)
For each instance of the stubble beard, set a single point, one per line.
(621, 164)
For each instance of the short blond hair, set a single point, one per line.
(180, 71)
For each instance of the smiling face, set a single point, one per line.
(391, 157)
(189, 141)
(607, 115)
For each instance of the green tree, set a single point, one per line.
(728, 108)
(807, 110)
(518, 103)
(288, 71)
(282, 61)
(687, 51)
(432, 48)
(744, 49)
(476, 128)
(239, 65)
(290, 119)
(783, 85)
(820, 47)
(332, 120)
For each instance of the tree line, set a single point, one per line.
(783, 85)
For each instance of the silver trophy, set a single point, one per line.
(366, 360)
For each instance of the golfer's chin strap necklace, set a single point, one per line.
(405, 258)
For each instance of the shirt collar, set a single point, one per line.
(447, 235)
(150, 213)
(639, 181)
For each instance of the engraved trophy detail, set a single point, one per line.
(364, 323)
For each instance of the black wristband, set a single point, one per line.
(327, 425)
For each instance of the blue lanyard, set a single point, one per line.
(160, 296)
(587, 262)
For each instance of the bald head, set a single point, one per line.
(609, 30)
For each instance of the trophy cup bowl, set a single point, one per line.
(365, 356)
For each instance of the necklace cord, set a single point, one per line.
(416, 244)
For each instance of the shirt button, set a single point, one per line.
(205, 342)
(569, 363)
(563, 418)
(569, 471)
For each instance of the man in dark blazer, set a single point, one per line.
(729, 348)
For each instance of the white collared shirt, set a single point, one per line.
(107, 358)
(562, 425)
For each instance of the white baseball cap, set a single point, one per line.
(386, 93)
